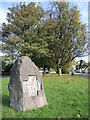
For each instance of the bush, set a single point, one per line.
(65, 69)
(6, 65)
(6, 70)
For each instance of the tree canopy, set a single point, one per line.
(55, 36)
(65, 34)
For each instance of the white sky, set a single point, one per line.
(82, 6)
(43, 0)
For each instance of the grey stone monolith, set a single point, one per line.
(26, 90)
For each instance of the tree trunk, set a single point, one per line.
(58, 69)
(59, 72)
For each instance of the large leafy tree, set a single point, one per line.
(65, 34)
(55, 36)
(20, 36)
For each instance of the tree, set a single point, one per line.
(20, 36)
(65, 34)
(55, 36)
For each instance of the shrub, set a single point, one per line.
(6, 66)
(65, 69)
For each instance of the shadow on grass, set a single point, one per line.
(5, 100)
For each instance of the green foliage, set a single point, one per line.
(6, 64)
(55, 36)
(65, 34)
(84, 65)
(64, 100)
(20, 35)
(88, 63)
(65, 69)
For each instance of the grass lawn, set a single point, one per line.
(65, 100)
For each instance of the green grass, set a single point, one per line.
(64, 100)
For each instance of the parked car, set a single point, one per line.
(78, 71)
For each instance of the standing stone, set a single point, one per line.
(26, 89)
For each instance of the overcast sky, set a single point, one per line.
(81, 4)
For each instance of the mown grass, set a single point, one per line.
(65, 100)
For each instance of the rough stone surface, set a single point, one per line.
(26, 89)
